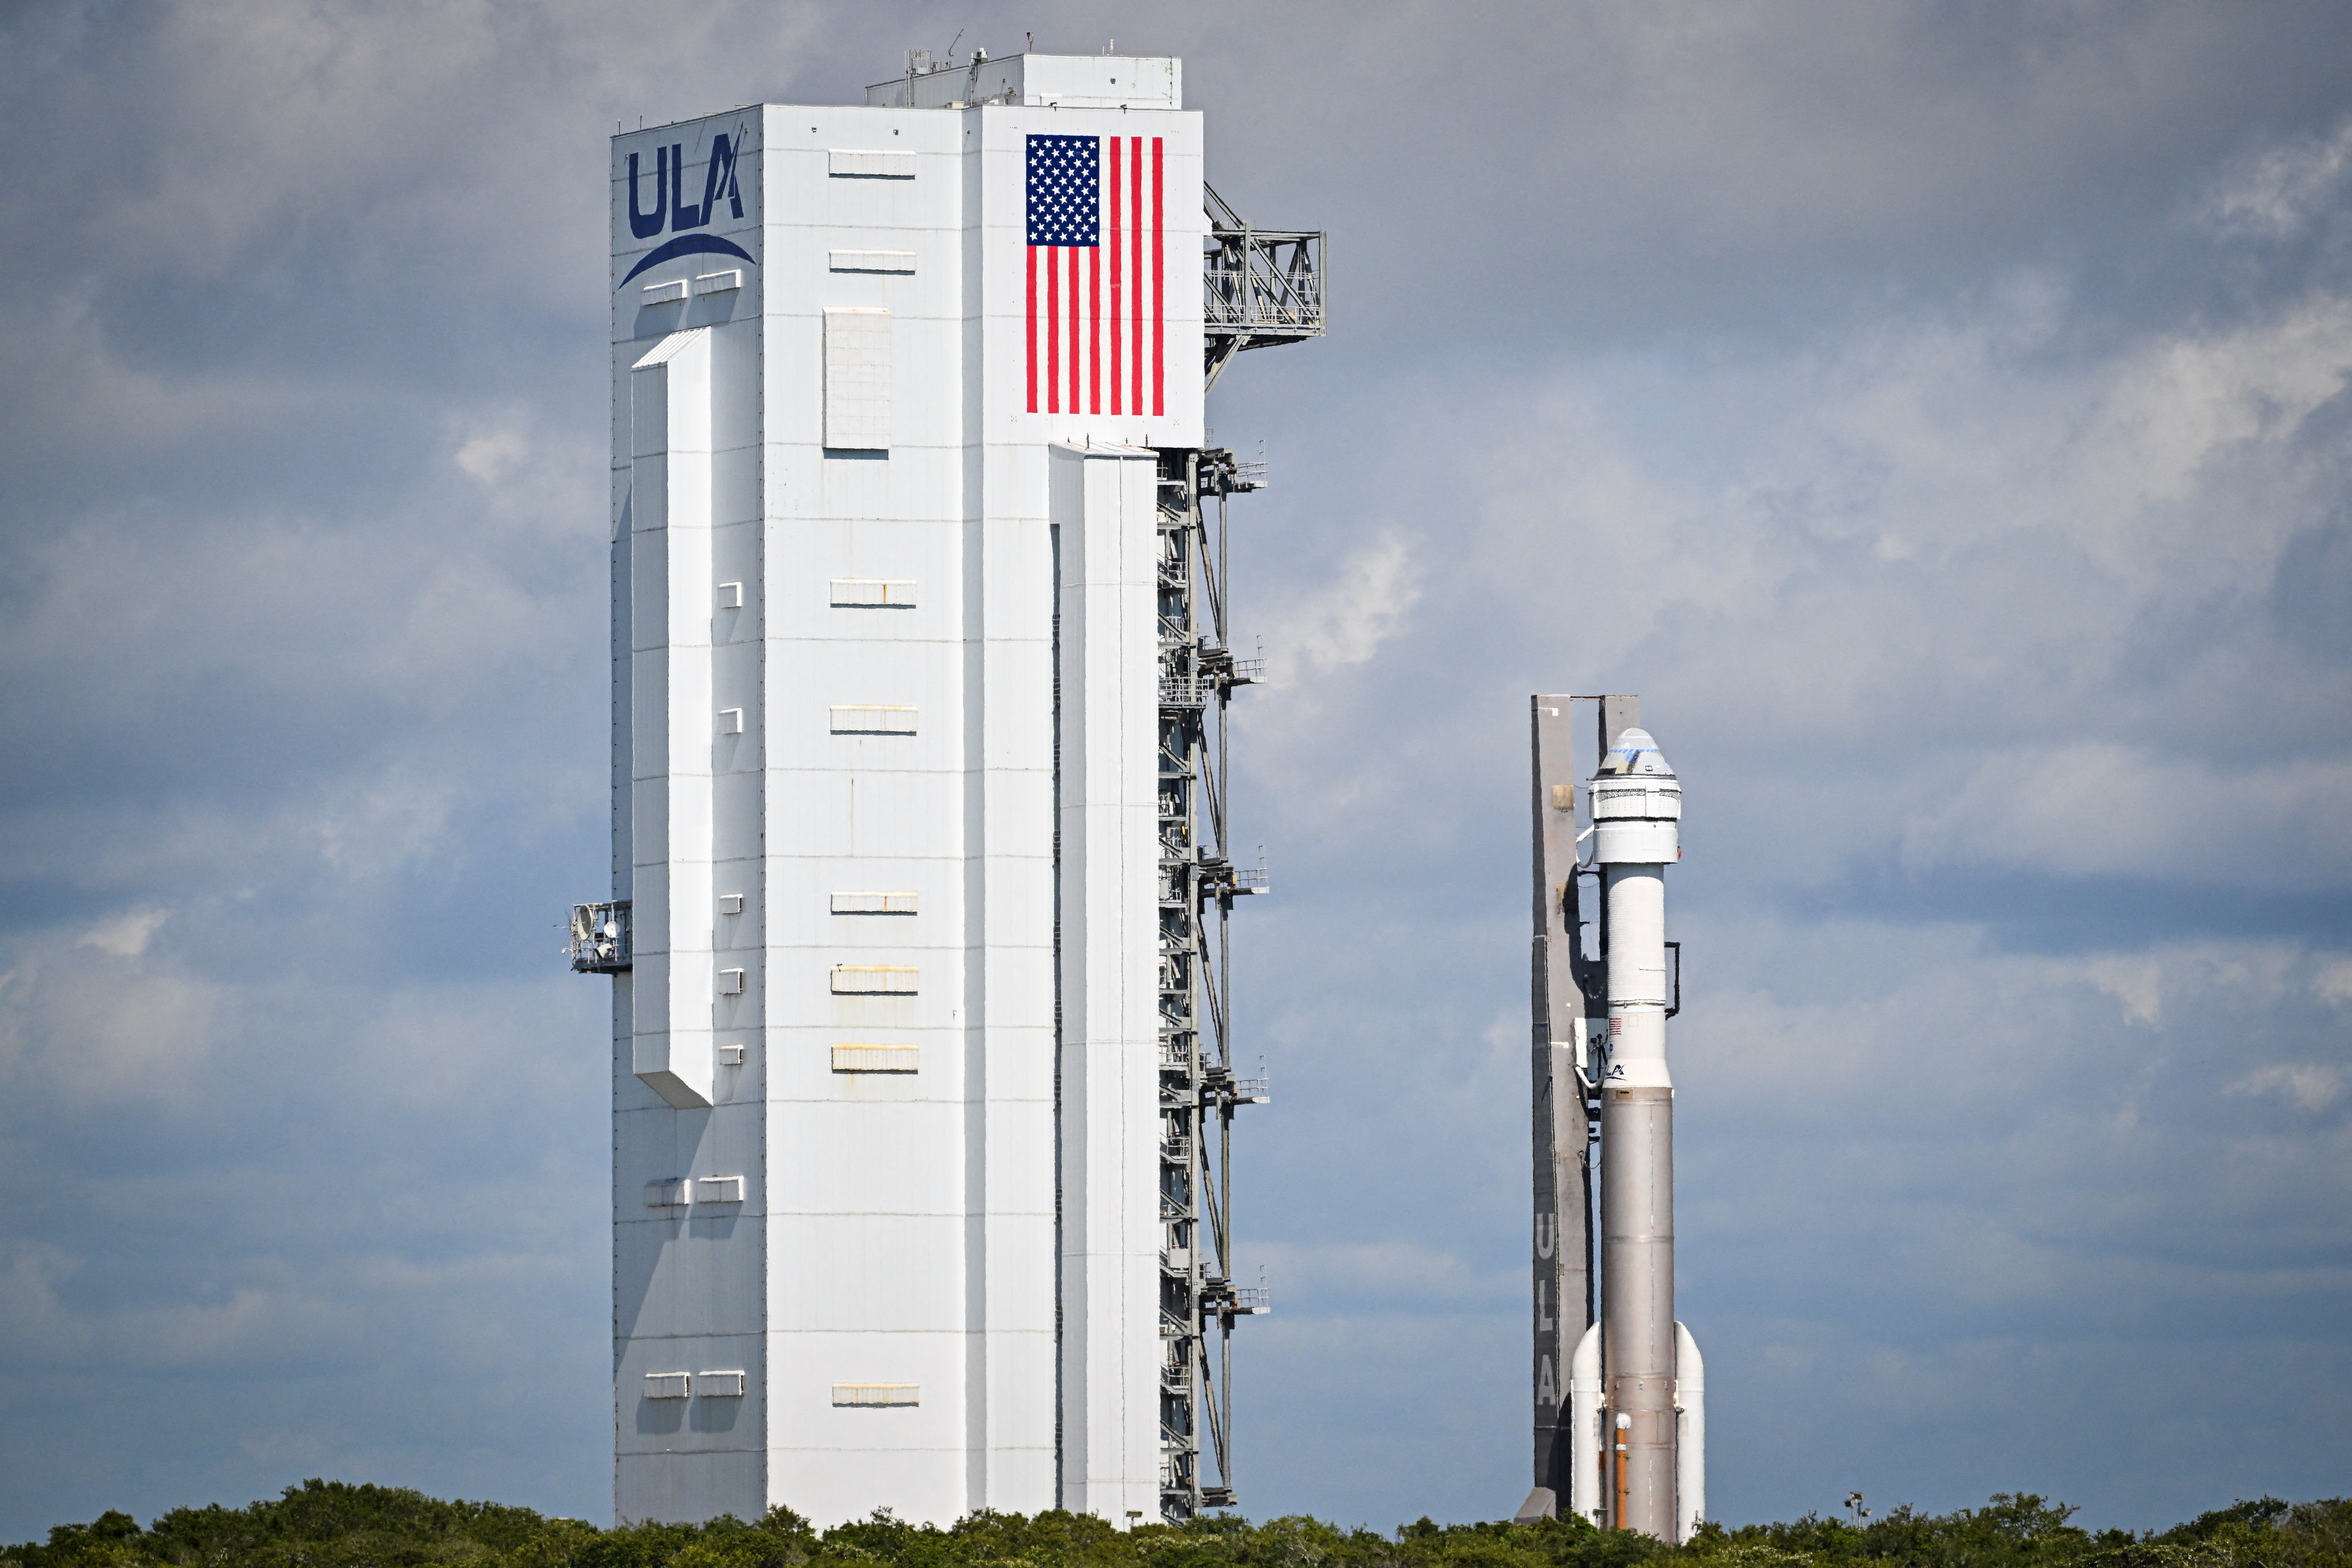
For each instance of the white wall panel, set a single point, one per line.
(918, 1255)
(1105, 510)
(858, 382)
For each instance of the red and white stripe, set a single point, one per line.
(1098, 315)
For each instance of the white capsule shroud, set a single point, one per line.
(1636, 804)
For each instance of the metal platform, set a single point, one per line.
(599, 943)
(1261, 287)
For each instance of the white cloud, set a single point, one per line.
(2097, 807)
(490, 454)
(125, 935)
(2172, 413)
(1948, 590)
(2312, 1086)
(95, 1019)
(2283, 188)
(373, 825)
(2136, 980)
(1347, 620)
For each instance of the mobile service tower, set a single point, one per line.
(921, 1079)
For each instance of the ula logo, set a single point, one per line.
(671, 208)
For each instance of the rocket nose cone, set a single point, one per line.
(1636, 753)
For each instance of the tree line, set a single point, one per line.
(336, 1524)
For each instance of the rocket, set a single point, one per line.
(1620, 1418)
(1637, 807)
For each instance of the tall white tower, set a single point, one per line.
(897, 393)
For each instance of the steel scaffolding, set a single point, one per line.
(1260, 286)
(1199, 1087)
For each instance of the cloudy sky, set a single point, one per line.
(1938, 413)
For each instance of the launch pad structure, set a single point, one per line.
(923, 1063)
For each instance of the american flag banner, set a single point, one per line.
(1097, 337)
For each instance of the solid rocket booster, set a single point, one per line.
(1637, 811)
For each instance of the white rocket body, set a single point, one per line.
(1653, 1411)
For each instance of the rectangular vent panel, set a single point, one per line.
(874, 592)
(899, 261)
(669, 1193)
(719, 282)
(859, 164)
(719, 1189)
(876, 1058)
(857, 381)
(874, 980)
(874, 904)
(668, 1384)
(877, 1393)
(719, 1384)
(873, 719)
